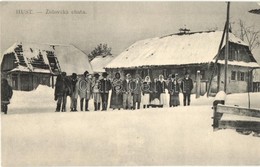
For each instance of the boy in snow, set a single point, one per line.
(74, 95)
(96, 92)
(62, 90)
(105, 87)
(186, 87)
(6, 95)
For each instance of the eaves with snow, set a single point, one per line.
(35, 57)
(193, 48)
(99, 62)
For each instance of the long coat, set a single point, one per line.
(6, 92)
(83, 88)
(117, 94)
(62, 86)
(187, 85)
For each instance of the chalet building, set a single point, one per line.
(193, 52)
(26, 65)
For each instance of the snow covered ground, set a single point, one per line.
(34, 135)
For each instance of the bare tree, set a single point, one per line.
(101, 50)
(249, 35)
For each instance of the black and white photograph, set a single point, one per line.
(130, 83)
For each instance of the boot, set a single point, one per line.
(86, 106)
(144, 106)
(138, 105)
(95, 106)
(184, 103)
(58, 108)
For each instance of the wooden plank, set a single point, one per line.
(238, 111)
(242, 125)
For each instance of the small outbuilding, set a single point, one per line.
(26, 65)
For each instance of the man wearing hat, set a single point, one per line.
(83, 87)
(127, 92)
(62, 90)
(74, 95)
(96, 92)
(105, 87)
(186, 87)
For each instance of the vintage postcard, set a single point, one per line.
(130, 83)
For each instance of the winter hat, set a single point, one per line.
(64, 74)
(86, 73)
(104, 74)
(96, 75)
(74, 75)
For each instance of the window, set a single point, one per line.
(242, 76)
(233, 75)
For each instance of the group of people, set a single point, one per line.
(128, 93)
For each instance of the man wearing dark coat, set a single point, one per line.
(74, 95)
(117, 94)
(186, 87)
(6, 95)
(105, 87)
(62, 90)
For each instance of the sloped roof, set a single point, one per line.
(70, 58)
(99, 62)
(194, 48)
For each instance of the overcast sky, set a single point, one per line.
(119, 24)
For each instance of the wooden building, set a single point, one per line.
(193, 52)
(26, 65)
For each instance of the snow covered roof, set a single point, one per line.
(99, 62)
(194, 48)
(70, 58)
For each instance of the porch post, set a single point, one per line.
(198, 84)
(19, 81)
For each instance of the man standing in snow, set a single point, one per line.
(74, 95)
(6, 95)
(83, 88)
(186, 87)
(62, 90)
(105, 87)
(96, 92)
(127, 93)
(137, 84)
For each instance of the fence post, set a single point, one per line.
(198, 84)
